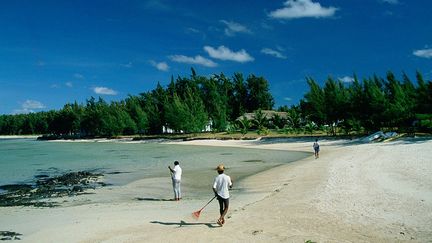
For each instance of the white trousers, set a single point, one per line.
(176, 188)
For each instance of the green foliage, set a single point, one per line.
(424, 122)
(351, 125)
(259, 96)
(232, 128)
(188, 104)
(310, 127)
(373, 104)
(259, 120)
(263, 131)
(153, 104)
(239, 97)
(186, 114)
(137, 114)
(244, 124)
(287, 129)
(214, 95)
(278, 121)
(335, 102)
(314, 102)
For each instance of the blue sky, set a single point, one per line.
(54, 52)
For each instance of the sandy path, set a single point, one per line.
(352, 193)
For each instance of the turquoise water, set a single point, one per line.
(22, 159)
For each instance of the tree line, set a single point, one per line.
(189, 104)
(375, 103)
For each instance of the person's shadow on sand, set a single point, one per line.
(183, 223)
(153, 199)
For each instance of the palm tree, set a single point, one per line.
(310, 127)
(245, 124)
(260, 121)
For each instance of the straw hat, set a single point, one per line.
(220, 167)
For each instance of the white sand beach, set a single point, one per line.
(378, 192)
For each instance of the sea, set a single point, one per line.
(22, 159)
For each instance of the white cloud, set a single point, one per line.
(78, 76)
(28, 106)
(162, 66)
(69, 84)
(347, 79)
(287, 98)
(302, 9)
(192, 30)
(126, 65)
(274, 53)
(32, 104)
(266, 26)
(197, 32)
(425, 53)
(198, 60)
(224, 53)
(104, 91)
(232, 28)
(390, 1)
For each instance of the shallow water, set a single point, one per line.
(23, 159)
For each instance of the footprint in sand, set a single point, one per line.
(255, 232)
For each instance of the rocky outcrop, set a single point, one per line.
(46, 187)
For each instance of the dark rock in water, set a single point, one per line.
(117, 172)
(16, 187)
(77, 189)
(104, 184)
(69, 184)
(9, 235)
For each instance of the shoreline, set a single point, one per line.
(18, 136)
(352, 193)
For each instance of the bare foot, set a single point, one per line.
(219, 222)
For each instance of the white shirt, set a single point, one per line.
(177, 172)
(221, 184)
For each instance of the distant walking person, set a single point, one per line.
(220, 187)
(316, 148)
(176, 174)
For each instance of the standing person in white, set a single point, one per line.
(220, 187)
(176, 174)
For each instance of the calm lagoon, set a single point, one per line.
(123, 162)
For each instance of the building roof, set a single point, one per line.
(269, 114)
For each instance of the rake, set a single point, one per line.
(197, 213)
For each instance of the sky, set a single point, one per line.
(58, 52)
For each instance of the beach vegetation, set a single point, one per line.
(310, 127)
(233, 127)
(186, 114)
(241, 104)
(244, 124)
(260, 121)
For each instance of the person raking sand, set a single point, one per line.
(221, 187)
